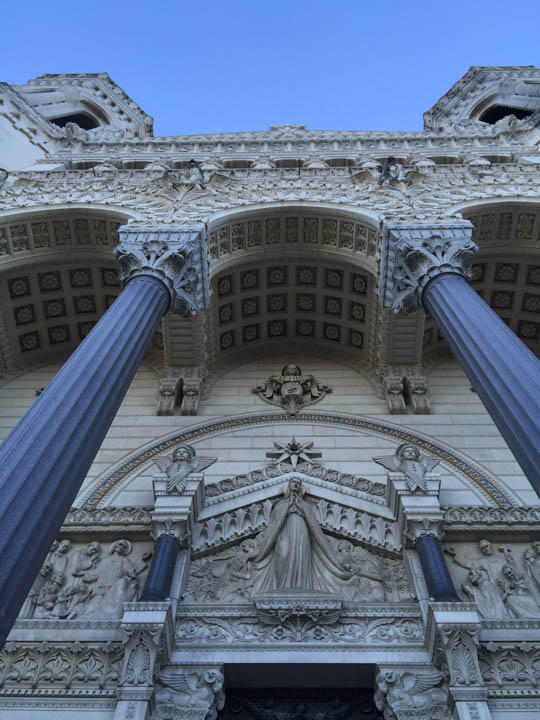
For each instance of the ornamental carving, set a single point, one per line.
(414, 256)
(293, 556)
(87, 581)
(190, 693)
(174, 257)
(504, 581)
(510, 665)
(412, 694)
(180, 465)
(307, 468)
(68, 667)
(292, 390)
(409, 461)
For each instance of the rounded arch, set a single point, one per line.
(483, 482)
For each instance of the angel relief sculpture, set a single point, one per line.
(408, 460)
(178, 466)
(402, 691)
(292, 390)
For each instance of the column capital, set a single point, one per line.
(412, 255)
(174, 255)
(424, 527)
(179, 529)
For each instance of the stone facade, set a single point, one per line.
(298, 431)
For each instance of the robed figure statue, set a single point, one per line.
(295, 553)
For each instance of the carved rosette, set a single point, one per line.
(415, 254)
(176, 256)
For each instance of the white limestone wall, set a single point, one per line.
(459, 420)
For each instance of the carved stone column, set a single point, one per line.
(169, 535)
(45, 458)
(428, 267)
(420, 517)
(454, 633)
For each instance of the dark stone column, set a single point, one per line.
(158, 581)
(438, 580)
(426, 267)
(502, 370)
(45, 458)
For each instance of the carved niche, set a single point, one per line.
(88, 581)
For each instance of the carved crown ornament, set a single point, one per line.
(176, 256)
(415, 254)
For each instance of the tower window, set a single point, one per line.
(84, 121)
(498, 112)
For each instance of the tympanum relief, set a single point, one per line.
(503, 580)
(292, 390)
(88, 581)
(292, 555)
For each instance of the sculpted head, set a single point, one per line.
(508, 572)
(93, 548)
(120, 547)
(408, 452)
(64, 547)
(291, 370)
(485, 547)
(529, 554)
(248, 545)
(295, 485)
(185, 453)
(536, 546)
(474, 576)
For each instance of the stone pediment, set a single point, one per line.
(340, 509)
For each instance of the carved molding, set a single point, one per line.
(77, 668)
(175, 256)
(477, 519)
(510, 667)
(414, 255)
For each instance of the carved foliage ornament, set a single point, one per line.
(416, 255)
(175, 257)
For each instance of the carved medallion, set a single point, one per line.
(292, 390)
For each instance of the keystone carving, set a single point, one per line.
(414, 255)
(175, 257)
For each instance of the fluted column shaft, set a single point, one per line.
(46, 457)
(502, 370)
(158, 581)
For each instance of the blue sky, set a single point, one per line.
(212, 66)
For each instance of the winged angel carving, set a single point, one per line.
(178, 690)
(400, 691)
(178, 466)
(408, 460)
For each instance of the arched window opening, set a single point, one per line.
(498, 112)
(84, 121)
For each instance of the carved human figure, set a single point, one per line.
(294, 553)
(516, 595)
(410, 462)
(489, 565)
(118, 581)
(86, 574)
(178, 466)
(29, 605)
(291, 390)
(60, 556)
(481, 591)
(51, 601)
(366, 580)
(236, 582)
(531, 565)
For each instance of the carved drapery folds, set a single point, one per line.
(414, 255)
(87, 581)
(176, 256)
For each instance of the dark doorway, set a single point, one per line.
(299, 692)
(299, 704)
